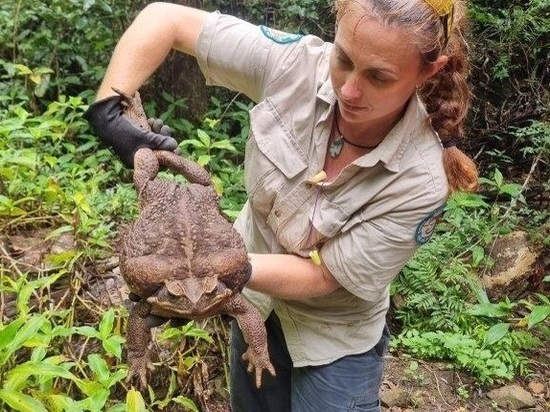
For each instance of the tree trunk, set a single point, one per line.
(180, 77)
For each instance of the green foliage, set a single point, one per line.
(57, 46)
(34, 360)
(41, 370)
(51, 172)
(304, 17)
(218, 144)
(510, 58)
(509, 34)
(443, 309)
(487, 362)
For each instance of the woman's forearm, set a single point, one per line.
(289, 277)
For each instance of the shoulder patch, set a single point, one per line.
(279, 36)
(425, 228)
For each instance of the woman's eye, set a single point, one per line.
(380, 78)
(345, 62)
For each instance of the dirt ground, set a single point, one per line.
(434, 386)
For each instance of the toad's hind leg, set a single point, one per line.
(146, 167)
(252, 325)
(138, 338)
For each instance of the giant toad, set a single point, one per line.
(181, 258)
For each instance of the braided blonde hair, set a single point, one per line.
(446, 94)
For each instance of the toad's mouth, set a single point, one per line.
(163, 303)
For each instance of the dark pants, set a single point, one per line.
(348, 384)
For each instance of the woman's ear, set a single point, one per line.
(433, 68)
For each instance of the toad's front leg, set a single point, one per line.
(138, 337)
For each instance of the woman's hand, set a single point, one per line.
(123, 135)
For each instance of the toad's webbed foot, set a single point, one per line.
(139, 366)
(257, 362)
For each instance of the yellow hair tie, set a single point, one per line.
(441, 7)
(445, 10)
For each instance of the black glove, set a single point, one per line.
(158, 126)
(123, 135)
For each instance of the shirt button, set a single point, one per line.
(277, 213)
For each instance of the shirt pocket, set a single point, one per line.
(273, 159)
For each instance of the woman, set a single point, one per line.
(349, 162)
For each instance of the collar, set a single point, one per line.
(393, 147)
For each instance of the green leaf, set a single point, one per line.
(537, 315)
(96, 402)
(87, 331)
(544, 299)
(499, 179)
(203, 160)
(496, 333)
(191, 330)
(204, 137)
(106, 324)
(192, 142)
(44, 371)
(89, 387)
(26, 332)
(22, 69)
(512, 189)
(21, 402)
(135, 402)
(99, 367)
(465, 200)
(478, 253)
(58, 402)
(491, 310)
(7, 334)
(224, 144)
(42, 83)
(187, 403)
(113, 345)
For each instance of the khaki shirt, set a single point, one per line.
(366, 223)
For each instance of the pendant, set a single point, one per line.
(336, 148)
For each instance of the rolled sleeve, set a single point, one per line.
(365, 259)
(236, 54)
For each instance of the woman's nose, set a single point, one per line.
(350, 90)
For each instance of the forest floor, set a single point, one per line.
(430, 386)
(422, 386)
(434, 386)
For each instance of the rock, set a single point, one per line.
(512, 397)
(63, 243)
(394, 397)
(536, 387)
(516, 261)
